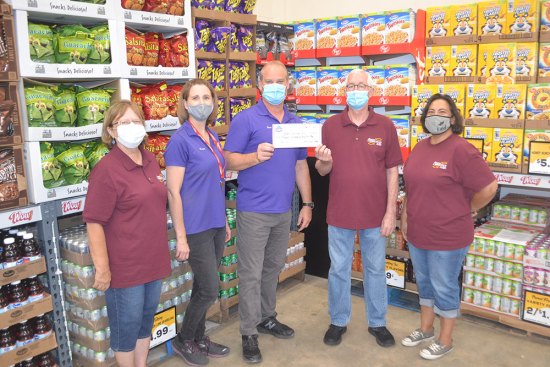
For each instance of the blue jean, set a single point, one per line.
(373, 250)
(131, 313)
(437, 275)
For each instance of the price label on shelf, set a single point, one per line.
(395, 273)
(164, 327)
(536, 308)
(539, 157)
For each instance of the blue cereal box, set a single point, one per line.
(373, 28)
(349, 34)
(400, 26)
(327, 32)
(304, 35)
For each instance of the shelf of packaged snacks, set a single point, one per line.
(29, 68)
(19, 216)
(282, 58)
(209, 14)
(167, 123)
(490, 291)
(495, 257)
(27, 312)
(28, 351)
(156, 21)
(205, 55)
(22, 271)
(492, 273)
(521, 180)
(68, 8)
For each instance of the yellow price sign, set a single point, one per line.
(539, 157)
(536, 308)
(164, 327)
(395, 273)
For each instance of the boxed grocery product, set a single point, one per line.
(544, 60)
(308, 118)
(400, 26)
(10, 120)
(401, 123)
(306, 81)
(327, 81)
(378, 77)
(304, 35)
(534, 131)
(480, 101)
(417, 134)
(322, 117)
(438, 60)
(420, 96)
(438, 21)
(526, 60)
(522, 16)
(457, 92)
(545, 15)
(13, 184)
(398, 79)
(373, 28)
(501, 63)
(485, 134)
(510, 101)
(343, 73)
(327, 32)
(463, 60)
(537, 106)
(349, 34)
(482, 60)
(507, 146)
(8, 59)
(463, 20)
(492, 17)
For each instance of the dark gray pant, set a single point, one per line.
(205, 252)
(262, 241)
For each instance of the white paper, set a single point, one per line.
(296, 135)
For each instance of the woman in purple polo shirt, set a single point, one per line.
(447, 181)
(195, 169)
(125, 214)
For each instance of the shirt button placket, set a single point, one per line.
(356, 136)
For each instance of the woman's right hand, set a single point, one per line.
(102, 279)
(182, 250)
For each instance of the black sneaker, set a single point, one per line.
(383, 336)
(212, 349)
(333, 336)
(275, 328)
(251, 351)
(189, 351)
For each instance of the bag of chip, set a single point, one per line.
(218, 5)
(72, 43)
(179, 51)
(94, 151)
(239, 75)
(101, 48)
(133, 4)
(271, 38)
(41, 43)
(135, 96)
(245, 38)
(164, 52)
(218, 75)
(261, 45)
(220, 118)
(65, 106)
(204, 70)
(247, 6)
(233, 39)
(151, 57)
(237, 105)
(175, 7)
(173, 92)
(160, 148)
(156, 6)
(232, 6)
(52, 174)
(155, 101)
(218, 39)
(135, 47)
(201, 4)
(92, 105)
(202, 34)
(74, 164)
(40, 110)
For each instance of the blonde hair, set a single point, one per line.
(183, 114)
(116, 111)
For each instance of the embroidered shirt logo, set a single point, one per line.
(439, 165)
(160, 178)
(375, 141)
(201, 148)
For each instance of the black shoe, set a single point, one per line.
(251, 351)
(189, 351)
(333, 336)
(383, 336)
(212, 349)
(275, 328)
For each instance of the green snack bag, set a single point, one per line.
(60, 147)
(65, 106)
(92, 104)
(52, 175)
(41, 43)
(40, 110)
(94, 151)
(101, 47)
(72, 43)
(75, 166)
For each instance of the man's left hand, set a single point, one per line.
(304, 218)
(388, 224)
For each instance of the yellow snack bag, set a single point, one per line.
(421, 95)
(501, 63)
(507, 145)
(480, 101)
(463, 19)
(438, 60)
(526, 59)
(485, 133)
(457, 92)
(438, 21)
(510, 102)
(492, 17)
(417, 134)
(523, 16)
(463, 60)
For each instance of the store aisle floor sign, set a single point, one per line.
(539, 158)
(164, 327)
(536, 308)
(395, 273)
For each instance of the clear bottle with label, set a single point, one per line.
(34, 287)
(30, 249)
(12, 255)
(44, 360)
(7, 341)
(17, 295)
(23, 334)
(42, 327)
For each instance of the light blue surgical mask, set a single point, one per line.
(357, 99)
(274, 93)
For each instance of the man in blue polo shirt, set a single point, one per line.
(266, 183)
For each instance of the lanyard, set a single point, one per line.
(221, 166)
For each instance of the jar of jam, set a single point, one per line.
(34, 288)
(44, 360)
(28, 363)
(42, 327)
(12, 256)
(4, 301)
(7, 341)
(23, 334)
(17, 295)
(30, 248)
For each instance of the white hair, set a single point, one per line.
(362, 72)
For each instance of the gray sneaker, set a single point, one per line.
(417, 337)
(435, 350)
(190, 352)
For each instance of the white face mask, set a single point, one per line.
(130, 135)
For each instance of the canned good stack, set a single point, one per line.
(231, 194)
(291, 250)
(231, 215)
(520, 213)
(228, 293)
(536, 273)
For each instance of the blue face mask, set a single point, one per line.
(274, 93)
(357, 99)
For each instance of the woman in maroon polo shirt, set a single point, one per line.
(446, 181)
(125, 213)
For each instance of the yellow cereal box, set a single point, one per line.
(501, 63)
(417, 134)
(510, 102)
(463, 60)
(544, 60)
(485, 133)
(537, 106)
(545, 16)
(480, 101)
(482, 60)
(526, 59)
(463, 19)
(438, 60)
(438, 22)
(491, 17)
(522, 16)
(507, 146)
(420, 96)
(457, 92)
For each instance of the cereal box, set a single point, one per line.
(373, 28)
(348, 31)
(463, 60)
(526, 59)
(327, 81)
(510, 102)
(463, 19)
(304, 35)
(438, 60)
(343, 73)
(483, 133)
(306, 81)
(480, 101)
(545, 16)
(308, 118)
(522, 16)
(327, 32)
(544, 60)
(457, 92)
(401, 123)
(533, 134)
(501, 63)
(400, 26)
(507, 146)
(398, 80)
(322, 117)
(537, 106)
(417, 134)
(420, 96)
(491, 17)
(378, 78)
(482, 60)
(438, 22)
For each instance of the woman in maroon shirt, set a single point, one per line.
(446, 181)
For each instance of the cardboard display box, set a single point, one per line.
(8, 55)
(76, 258)
(10, 117)
(96, 345)
(13, 183)
(28, 351)
(295, 237)
(23, 271)
(27, 312)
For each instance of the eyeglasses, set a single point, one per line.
(361, 86)
(116, 123)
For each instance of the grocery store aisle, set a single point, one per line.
(304, 307)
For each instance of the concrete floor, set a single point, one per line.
(303, 306)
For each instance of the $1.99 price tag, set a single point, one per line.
(395, 273)
(164, 327)
(536, 308)
(539, 157)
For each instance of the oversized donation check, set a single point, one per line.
(296, 135)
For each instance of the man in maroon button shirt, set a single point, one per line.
(361, 153)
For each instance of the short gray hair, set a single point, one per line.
(272, 63)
